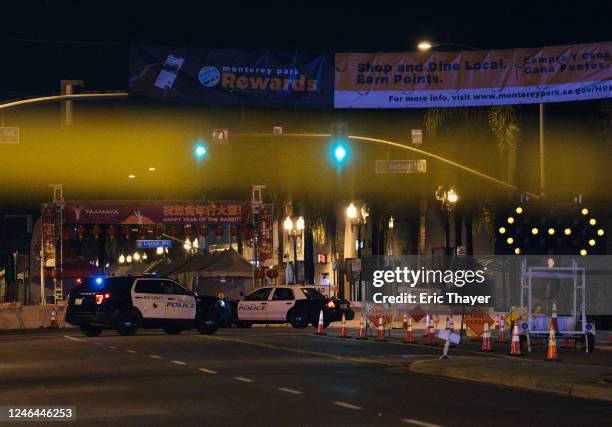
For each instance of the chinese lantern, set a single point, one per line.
(203, 231)
(66, 233)
(126, 231)
(219, 231)
(188, 231)
(173, 231)
(81, 232)
(235, 231)
(259, 273)
(96, 231)
(272, 273)
(111, 231)
(158, 232)
(142, 232)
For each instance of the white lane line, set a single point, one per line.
(348, 406)
(132, 351)
(178, 362)
(289, 390)
(98, 343)
(154, 356)
(113, 347)
(73, 338)
(244, 380)
(419, 423)
(208, 371)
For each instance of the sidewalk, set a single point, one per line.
(589, 382)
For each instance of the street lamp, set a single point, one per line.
(448, 199)
(357, 218)
(294, 231)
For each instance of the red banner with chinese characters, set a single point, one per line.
(266, 241)
(156, 212)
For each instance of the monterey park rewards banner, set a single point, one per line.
(455, 79)
(232, 77)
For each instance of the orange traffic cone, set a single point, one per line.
(362, 334)
(409, 335)
(486, 339)
(430, 332)
(501, 330)
(515, 348)
(405, 321)
(381, 331)
(343, 328)
(551, 354)
(321, 326)
(53, 324)
(553, 319)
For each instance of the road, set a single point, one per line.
(260, 376)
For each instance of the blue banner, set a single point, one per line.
(232, 77)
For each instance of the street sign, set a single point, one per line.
(525, 326)
(417, 136)
(417, 314)
(401, 166)
(445, 334)
(220, 136)
(9, 135)
(144, 244)
(476, 319)
(514, 314)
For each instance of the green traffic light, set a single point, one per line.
(200, 151)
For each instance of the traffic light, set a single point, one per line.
(199, 151)
(339, 132)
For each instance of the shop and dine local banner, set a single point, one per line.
(232, 77)
(458, 79)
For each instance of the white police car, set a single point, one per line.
(297, 305)
(127, 303)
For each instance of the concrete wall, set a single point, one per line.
(18, 316)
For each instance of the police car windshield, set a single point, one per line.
(312, 293)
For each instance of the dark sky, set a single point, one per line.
(97, 34)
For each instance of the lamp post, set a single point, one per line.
(448, 199)
(293, 230)
(357, 218)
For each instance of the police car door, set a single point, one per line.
(253, 307)
(148, 297)
(180, 303)
(282, 300)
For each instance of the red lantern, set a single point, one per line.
(81, 231)
(111, 231)
(259, 273)
(188, 231)
(66, 233)
(235, 230)
(248, 233)
(173, 231)
(203, 231)
(126, 231)
(142, 232)
(96, 231)
(219, 231)
(158, 232)
(272, 273)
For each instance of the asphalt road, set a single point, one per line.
(260, 376)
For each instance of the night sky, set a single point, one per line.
(96, 34)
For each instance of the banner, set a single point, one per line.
(266, 240)
(232, 77)
(156, 212)
(48, 227)
(457, 79)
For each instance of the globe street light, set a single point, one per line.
(293, 230)
(357, 218)
(448, 199)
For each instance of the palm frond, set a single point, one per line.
(503, 122)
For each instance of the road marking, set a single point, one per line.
(112, 347)
(244, 380)
(208, 371)
(73, 338)
(132, 351)
(348, 405)
(178, 362)
(154, 356)
(419, 423)
(289, 390)
(98, 343)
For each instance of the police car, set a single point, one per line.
(297, 305)
(127, 303)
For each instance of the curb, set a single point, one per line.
(598, 390)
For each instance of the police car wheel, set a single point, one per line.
(208, 328)
(244, 324)
(299, 320)
(173, 331)
(128, 323)
(90, 330)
